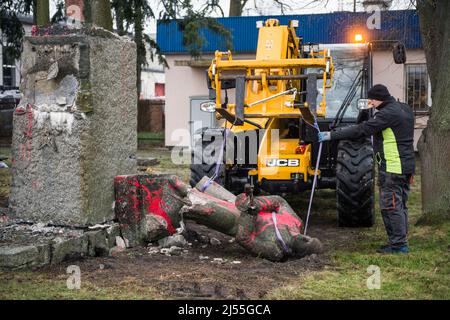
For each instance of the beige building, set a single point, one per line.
(186, 82)
(152, 76)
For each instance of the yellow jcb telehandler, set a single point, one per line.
(267, 138)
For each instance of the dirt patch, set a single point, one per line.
(189, 277)
(193, 276)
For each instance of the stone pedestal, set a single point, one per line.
(75, 127)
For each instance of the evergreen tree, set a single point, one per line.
(10, 25)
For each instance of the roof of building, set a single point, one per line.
(25, 19)
(329, 28)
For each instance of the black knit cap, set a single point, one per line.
(379, 92)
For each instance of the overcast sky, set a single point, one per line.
(268, 7)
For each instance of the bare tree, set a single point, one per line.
(236, 7)
(101, 14)
(42, 12)
(434, 144)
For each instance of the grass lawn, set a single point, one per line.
(148, 140)
(424, 273)
(34, 286)
(151, 135)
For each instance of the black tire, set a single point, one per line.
(200, 166)
(355, 183)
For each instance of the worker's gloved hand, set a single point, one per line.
(324, 136)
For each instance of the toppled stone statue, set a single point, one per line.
(151, 207)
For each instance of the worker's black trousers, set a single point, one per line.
(394, 190)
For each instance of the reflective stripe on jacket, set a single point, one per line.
(392, 128)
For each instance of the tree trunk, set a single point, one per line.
(235, 8)
(119, 21)
(434, 144)
(87, 12)
(42, 12)
(140, 46)
(101, 14)
(34, 6)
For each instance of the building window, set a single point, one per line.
(9, 69)
(417, 87)
(159, 90)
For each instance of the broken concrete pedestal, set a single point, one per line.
(75, 127)
(30, 246)
(74, 131)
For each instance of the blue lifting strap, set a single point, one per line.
(219, 160)
(316, 126)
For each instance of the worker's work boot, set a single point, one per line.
(389, 249)
(384, 246)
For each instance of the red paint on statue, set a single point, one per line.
(155, 202)
(119, 179)
(289, 221)
(266, 204)
(263, 217)
(178, 183)
(137, 196)
(134, 200)
(285, 219)
(208, 211)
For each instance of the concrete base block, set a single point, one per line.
(111, 233)
(20, 257)
(34, 246)
(69, 249)
(98, 243)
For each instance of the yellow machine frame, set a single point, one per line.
(276, 69)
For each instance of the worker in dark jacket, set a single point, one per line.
(392, 128)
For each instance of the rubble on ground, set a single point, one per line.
(215, 242)
(30, 246)
(147, 162)
(176, 240)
